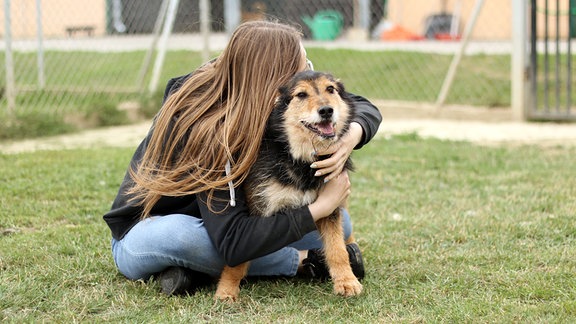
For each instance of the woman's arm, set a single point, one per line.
(367, 116)
(240, 237)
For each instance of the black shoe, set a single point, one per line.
(315, 264)
(176, 281)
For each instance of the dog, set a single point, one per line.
(312, 112)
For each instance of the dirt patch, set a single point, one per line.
(486, 126)
(120, 136)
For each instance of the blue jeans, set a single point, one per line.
(159, 242)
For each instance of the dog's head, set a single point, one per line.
(315, 112)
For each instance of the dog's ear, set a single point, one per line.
(341, 90)
(285, 95)
(283, 90)
(340, 86)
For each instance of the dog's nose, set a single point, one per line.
(326, 112)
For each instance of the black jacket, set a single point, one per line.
(238, 237)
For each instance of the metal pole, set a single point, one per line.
(519, 67)
(356, 14)
(571, 12)
(168, 24)
(557, 65)
(546, 60)
(205, 28)
(232, 10)
(364, 8)
(456, 60)
(557, 57)
(118, 24)
(533, 60)
(155, 35)
(10, 88)
(40, 37)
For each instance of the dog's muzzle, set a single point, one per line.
(326, 112)
(324, 128)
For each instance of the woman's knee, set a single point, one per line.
(346, 223)
(163, 241)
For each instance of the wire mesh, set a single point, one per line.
(85, 54)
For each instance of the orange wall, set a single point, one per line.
(494, 21)
(56, 16)
(540, 17)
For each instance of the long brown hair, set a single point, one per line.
(218, 115)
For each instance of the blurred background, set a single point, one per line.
(104, 62)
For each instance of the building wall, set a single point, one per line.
(57, 15)
(494, 21)
(552, 10)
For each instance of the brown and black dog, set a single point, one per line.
(312, 113)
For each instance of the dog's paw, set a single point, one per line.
(347, 287)
(227, 295)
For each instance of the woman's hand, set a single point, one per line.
(333, 166)
(331, 196)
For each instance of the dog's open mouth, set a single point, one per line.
(324, 129)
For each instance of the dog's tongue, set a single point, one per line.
(326, 128)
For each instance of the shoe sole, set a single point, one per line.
(171, 281)
(356, 261)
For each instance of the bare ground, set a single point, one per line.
(483, 126)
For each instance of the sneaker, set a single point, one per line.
(176, 281)
(315, 264)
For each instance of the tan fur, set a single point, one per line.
(229, 283)
(345, 282)
(299, 137)
(277, 196)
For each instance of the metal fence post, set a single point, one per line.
(519, 72)
(205, 28)
(168, 25)
(155, 35)
(447, 84)
(10, 87)
(381, 69)
(232, 14)
(572, 18)
(40, 39)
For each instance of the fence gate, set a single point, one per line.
(552, 64)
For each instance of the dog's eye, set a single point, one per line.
(301, 95)
(330, 89)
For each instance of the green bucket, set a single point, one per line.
(326, 24)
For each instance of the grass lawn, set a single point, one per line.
(451, 232)
(392, 75)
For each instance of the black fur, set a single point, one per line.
(274, 159)
(278, 180)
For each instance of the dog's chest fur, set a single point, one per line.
(276, 181)
(281, 177)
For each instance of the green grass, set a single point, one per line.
(552, 83)
(86, 91)
(451, 232)
(482, 80)
(393, 75)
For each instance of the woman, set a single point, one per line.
(172, 215)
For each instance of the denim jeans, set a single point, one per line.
(159, 242)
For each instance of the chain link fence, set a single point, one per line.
(91, 62)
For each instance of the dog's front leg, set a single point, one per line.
(229, 283)
(337, 260)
